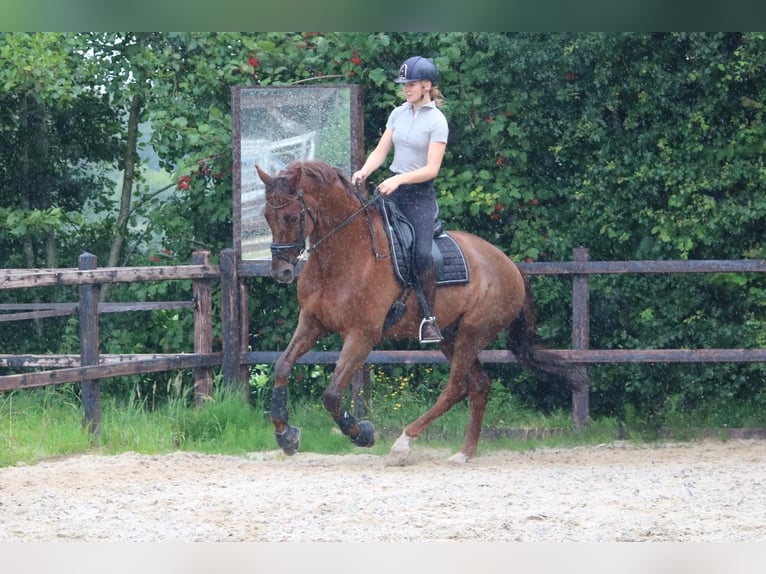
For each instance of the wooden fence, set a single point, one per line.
(90, 367)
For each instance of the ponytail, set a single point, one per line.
(436, 96)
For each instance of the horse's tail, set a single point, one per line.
(522, 335)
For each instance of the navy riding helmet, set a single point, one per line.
(417, 68)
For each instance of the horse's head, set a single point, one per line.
(287, 215)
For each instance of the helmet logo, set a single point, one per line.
(403, 72)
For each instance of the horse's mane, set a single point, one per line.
(323, 174)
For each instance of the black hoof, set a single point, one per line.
(366, 436)
(289, 440)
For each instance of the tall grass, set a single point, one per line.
(44, 423)
(40, 424)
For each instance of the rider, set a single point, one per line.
(417, 130)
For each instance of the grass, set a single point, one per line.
(38, 425)
(48, 422)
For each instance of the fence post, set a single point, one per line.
(203, 325)
(230, 309)
(243, 374)
(89, 343)
(581, 340)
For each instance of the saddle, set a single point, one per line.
(450, 263)
(449, 260)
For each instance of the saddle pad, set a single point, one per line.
(451, 266)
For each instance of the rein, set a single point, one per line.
(278, 249)
(346, 222)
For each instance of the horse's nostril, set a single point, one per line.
(285, 275)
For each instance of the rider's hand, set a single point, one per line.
(389, 185)
(358, 177)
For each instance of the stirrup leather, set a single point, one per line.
(432, 339)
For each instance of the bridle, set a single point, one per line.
(302, 244)
(279, 250)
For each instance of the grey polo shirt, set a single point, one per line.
(413, 133)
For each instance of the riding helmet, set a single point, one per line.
(417, 68)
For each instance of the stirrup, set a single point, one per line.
(430, 321)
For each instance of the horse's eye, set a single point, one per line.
(290, 219)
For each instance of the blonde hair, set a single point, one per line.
(436, 96)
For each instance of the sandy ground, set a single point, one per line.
(702, 491)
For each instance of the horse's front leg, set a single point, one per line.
(308, 332)
(352, 356)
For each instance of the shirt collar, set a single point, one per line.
(431, 104)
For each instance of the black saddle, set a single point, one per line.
(451, 267)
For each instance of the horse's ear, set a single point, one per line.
(295, 178)
(265, 177)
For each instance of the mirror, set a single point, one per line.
(275, 125)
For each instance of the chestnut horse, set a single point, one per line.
(348, 285)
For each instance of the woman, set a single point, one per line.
(417, 131)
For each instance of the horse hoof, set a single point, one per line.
(400, 452)
(459, 458)
(399, 458)
(366, 436)
(289, 440)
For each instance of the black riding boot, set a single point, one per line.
(429, 330)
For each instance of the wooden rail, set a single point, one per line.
(26, 278)
(106, 369)
(46, 310)
(576, 357)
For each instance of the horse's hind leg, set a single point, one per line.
(454, 391)
(466, 378)
(479, 386)
(476, 385)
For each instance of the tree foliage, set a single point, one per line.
(636, 145)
